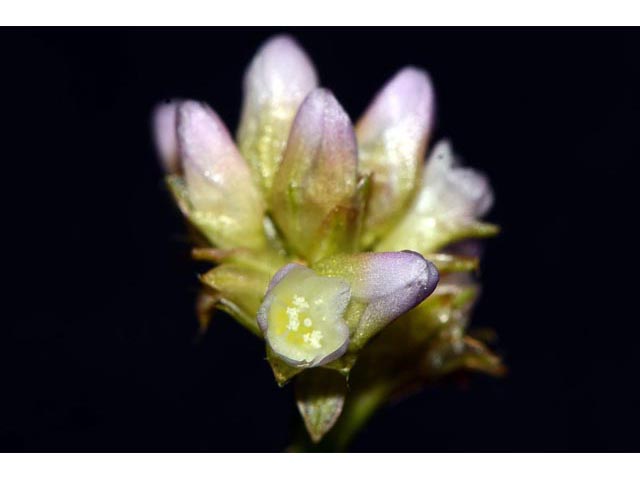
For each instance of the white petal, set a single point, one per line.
(393, 135)
(278, 79)
(218, 179)
(302, 317)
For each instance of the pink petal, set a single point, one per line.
(393, 135)
(165, 136)
(278, 79)
(218, 179)
(318, 172)
(389, 284)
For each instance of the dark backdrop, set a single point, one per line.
(100, 351)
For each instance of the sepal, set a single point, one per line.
(320, 396)
(239, 290)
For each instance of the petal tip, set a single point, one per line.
(201, 134)
(426, 277)
(164, 128)
(432, 279)
(322, 116)
(281, 65)
(412, 90)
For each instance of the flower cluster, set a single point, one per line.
(329, 239)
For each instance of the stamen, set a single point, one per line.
(300, 302)
(294, 322)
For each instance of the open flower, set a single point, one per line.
(302, 316)
(320, 229)
(309, 317)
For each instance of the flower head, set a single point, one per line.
(329, 238)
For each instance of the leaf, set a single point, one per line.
(320, 395)
(344, 364)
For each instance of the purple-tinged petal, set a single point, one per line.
(450, 201)
(318, 177)
(276, 82)
(460, 191)
(302, 317)
(227, 205)
(165, 136)
(385, 285)
(393, 135)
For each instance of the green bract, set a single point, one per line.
(329, 240)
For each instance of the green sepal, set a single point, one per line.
(178, 190)
(282, 371)
(200, 229)
(394, 356)
(447, 235)
(343, 365)
(241, 316)
(266, 260)
(475, 230)
(207, 224)
(442, 359)
(341, 229)
(447, 263)
(240, 290)
(320, 395)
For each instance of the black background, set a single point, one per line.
(100, 351)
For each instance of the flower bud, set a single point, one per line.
(313, 196)
(278, 79)
(392, 136)
(226, 205)
(383, 287)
